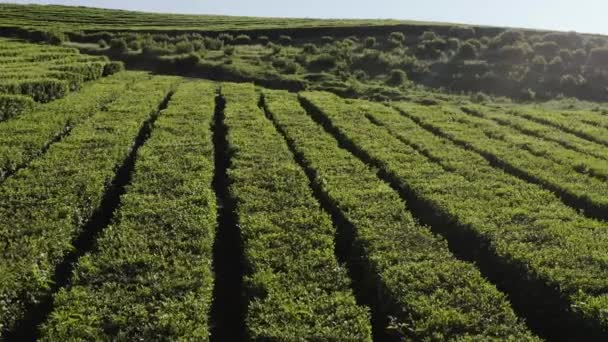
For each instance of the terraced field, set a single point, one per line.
(147, 207)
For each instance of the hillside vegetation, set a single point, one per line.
(372, 59)
(307, 181)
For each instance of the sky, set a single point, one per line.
(586, 16)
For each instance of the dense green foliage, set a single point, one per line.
(13, 105)
(38, 227)
(25, 137)
(354, 58)
(150, 277)
(46, 73)
(297, 289)
(444, 298)
(550, 251)
(143, 207)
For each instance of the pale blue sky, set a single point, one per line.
(582, 15)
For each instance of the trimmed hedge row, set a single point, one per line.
(539, 130)
(74, 80)
(567, 123)
(27, 136)
(551, 258)
(112, 68)
(150, 277)
(581, 163)
(13, 105)
(579, 177)
(298, 290)
(90, 71)
(48, 73)
(412, 275)
(41, 90)
(46, 205)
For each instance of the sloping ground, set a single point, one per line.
(346, 219)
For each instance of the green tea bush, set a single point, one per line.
(396, 77)
(322, 62)
(310, 49)
(226, 38)
(113, 67)
(184, 47)
(13, 105)
(242, 39)
(369, 42)
(467, 51)
(118, 45)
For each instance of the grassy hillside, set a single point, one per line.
(374, 59)
(399, 191)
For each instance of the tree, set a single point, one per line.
(556, 66)
(467, 51)
(546, 49)
(509, 37)
(310, 48)
(242, 39)
(370, 42)
(397, 77)
(598, 58)
(462, 32)
(118, 45)
(513, 54)
(539, 64)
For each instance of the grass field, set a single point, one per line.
(235, 205)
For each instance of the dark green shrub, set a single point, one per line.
(310, 48)
(198, 45)
(539, 64)
(397, 36)
(556, 66)
(113, 67)
(184, 47)
(322, 62)
(89, 71)
(396, 77)
(512, 54)
(185, 63)
(242, 39)
(598, 58)
(13, 105)
(55, 37)
(509, 37)
(154, 51)
(263, 40)
(134, 45)
(467, 51)
(226, 38)
(370, 42)
(118, 45)
(43, 90)
(327, 39)
(428, 35)
(462, 32)
(453, 43)
(275, 48)
(476, 43)
(102, 44)
(568, 40)
(285, 39)
(565, 55)
(229, 51)
(579, 56)
(360, 75)
(546, 49)
(213, 43)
